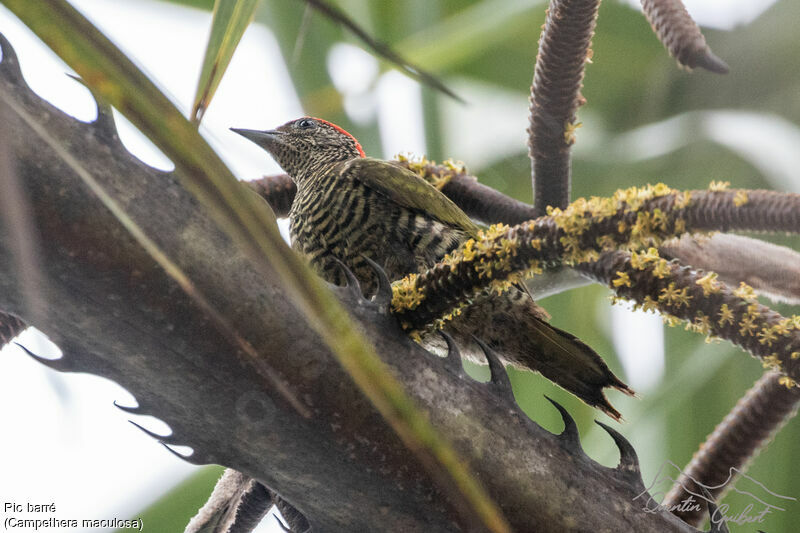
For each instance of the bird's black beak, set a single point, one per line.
(267, 139)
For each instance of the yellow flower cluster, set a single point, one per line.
(426, 169)
(709, 284)
(671, 295)
(405, 294)
(649, 229)
(745, 292)
(493, 255)
(741, 198)
(622, 279)
(700, 324)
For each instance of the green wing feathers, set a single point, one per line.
(409, 190)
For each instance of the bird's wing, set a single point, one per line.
(409, 190)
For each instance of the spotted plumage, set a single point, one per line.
(349, 207)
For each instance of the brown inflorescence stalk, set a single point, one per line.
(709, 307)
(10, 327)
(555, 97)
(713, 210)
(680, 35)
(278, 190)
(757, 417)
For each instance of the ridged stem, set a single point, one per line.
(741, 435)
(555, 97)
(680, 35)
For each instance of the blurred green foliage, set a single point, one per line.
(174, 509)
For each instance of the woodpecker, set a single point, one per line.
(349, 206)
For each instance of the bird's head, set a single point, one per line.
(305, 144)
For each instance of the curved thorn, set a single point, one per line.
(628, 461)
(61, 364)
(721, 526)
(499, 375)
(161, 438)
(104, 122)
(453, 358)
(281, 524)
(570, 433)
(383, 295)
(10, 62)
(352, 283)
(188, 458)
(125, 408)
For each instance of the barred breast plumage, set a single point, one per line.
(337, 217)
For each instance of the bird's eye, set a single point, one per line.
(305, 123)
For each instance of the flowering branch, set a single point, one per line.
(709, 307)
(590, 234)
(632, 219)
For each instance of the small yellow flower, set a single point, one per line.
(771, 361)
(782, 327)
(649, 304)
(570, 132)
(672, 296)
(534, 268)
(468, 252)
(745, 292)
(787, 382)
(725, 315)
(741, 198)
(622, 279)
(661, 269)
(767, 336)
(588, 256)
(483, 268)
(405, 294)
(747, 326)
(571, 246)
(683, 199)
(659, 219)
(719, 185)
(709, 283)
(607, 242)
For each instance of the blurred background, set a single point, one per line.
(645, 121)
